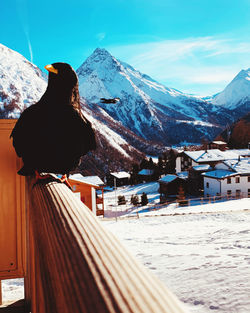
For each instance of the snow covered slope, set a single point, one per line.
(148, 108)
(115, 151)
(236, 93)
(21, 83)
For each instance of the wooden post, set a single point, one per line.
(80, 267)
(1, 299)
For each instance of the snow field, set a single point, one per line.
(204, 259)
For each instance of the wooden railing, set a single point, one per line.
(75, 265)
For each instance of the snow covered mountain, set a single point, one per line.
(21, 83)
(147, 111)
(147, 107)
(236, 96)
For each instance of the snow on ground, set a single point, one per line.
(203, 258)
(12, 290)
(111, 208)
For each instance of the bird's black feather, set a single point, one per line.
(52, 135)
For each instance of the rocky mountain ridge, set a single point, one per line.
(148, 108)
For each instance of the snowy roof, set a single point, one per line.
(241, 152)
(235, 167)
(120, 174)
(240, 167)
(183, 175)
(146, 172)
(219, 174)
(218, 142)
(168, 178)
(92, 180)
(203, 167)
(202, 156)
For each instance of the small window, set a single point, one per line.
(229, 180)
(248, 191)
(207, 184)
(238, 191)
(229, 192)
(248, 179)
(237, 180)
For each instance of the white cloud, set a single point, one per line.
(189, 62)
(100, 36)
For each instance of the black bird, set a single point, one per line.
(52, 135)
(115, 100)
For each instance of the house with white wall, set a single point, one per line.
(188, 159)
(230, 177)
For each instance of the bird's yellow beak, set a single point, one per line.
(51, 68)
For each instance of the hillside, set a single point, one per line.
(238, 134)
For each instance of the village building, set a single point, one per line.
(146, 175)
(196, 179)
(117, 179)
(95, 180)
(90, 194)
(188, 159)
(170, 185)
(217, 144)
(231, 177)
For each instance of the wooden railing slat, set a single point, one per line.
(79, 266)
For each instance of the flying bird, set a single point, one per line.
(52, 134)
(115, 100)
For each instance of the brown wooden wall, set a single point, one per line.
(12, 207)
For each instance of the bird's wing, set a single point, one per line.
(81, 129)
(23, 130)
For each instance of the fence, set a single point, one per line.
(127, 207)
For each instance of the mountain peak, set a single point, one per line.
(236, 93)
(101, 51)
(243, 74)
(99, 58)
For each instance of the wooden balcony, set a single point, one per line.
(72, 264)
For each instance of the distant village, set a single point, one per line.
(211, 170)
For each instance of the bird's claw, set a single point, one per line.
(63, 179)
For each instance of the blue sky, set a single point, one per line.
(196, 46)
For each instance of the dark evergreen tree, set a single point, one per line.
(150, 164)
(144, 199)
(134, 200)
(172, 161)
(160, 165)
(144, 164)
(134, 179)
(121, 200)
